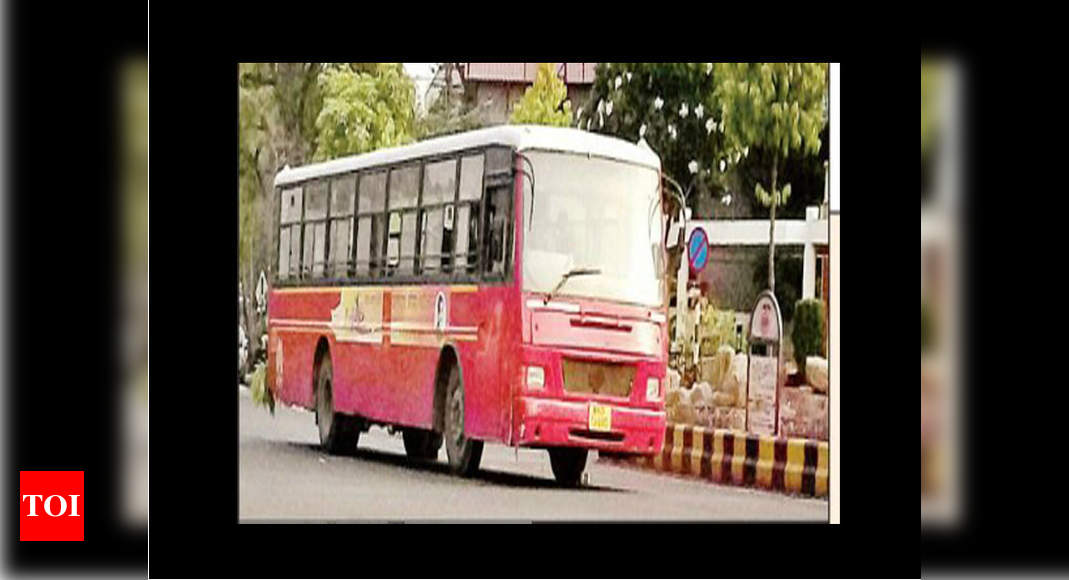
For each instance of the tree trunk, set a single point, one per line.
(448, 86)
(772, 229)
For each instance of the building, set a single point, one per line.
(495, 87)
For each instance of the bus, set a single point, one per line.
(504, 285)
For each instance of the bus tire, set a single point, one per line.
(338, 433)
(464, 453)
(421, 444)
(568, 464)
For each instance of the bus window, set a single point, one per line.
(439, 189)
(342, 192)
(498, 212)
(466, 226)
(466, 231)
(370, 223)
(291, 202)
(315, 229)
(433, 239)
(403, 198)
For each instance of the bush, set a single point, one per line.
(808, 333)
(717, 328)
(261, 395)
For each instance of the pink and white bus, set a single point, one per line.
(504, 285)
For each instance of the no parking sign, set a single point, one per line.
(698, 249)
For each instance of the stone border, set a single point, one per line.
(738, 458)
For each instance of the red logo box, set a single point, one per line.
(51, 506)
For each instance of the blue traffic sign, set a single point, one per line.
(698, 249)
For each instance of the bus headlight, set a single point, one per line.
(536, 377)
(653, 389)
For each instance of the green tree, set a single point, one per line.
(674, 109)
(277, 108)
(778, 108)
(449, 112)
(365, 107)
(545, 102)
(290, 114)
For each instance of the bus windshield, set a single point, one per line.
(597, 216)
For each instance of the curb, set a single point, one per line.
(738, 458)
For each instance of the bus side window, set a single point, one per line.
(289, 232)
(403, 209)
(370, 223)
(466, 227)
(436, 224)
(342, 193)
(315, 230)
(498, 211)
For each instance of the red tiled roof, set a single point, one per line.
(573, 73)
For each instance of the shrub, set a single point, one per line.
(717, 328)
(808, 332)
(261, 395)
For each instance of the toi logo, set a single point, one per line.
(51, 506)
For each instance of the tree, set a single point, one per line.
(281, 122)
(278, 104)
(364, 108)
(545, 102)
(673, 108)
(776, 107)
(448, 112)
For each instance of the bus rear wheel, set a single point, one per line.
(464, 453)
(421, 444)
(568, 464)
(338, 433)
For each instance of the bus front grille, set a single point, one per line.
(581, 376)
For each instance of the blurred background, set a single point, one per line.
(942, 300)
(81, 127)
(134, 339)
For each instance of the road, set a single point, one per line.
(285, 477)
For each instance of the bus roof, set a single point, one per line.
(520, 137)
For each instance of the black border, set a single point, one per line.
(194, 461)
(63, 193)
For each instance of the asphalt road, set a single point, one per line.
(285, 477)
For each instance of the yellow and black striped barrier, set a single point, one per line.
(739, 458)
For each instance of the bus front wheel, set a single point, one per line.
(464, 453)
(338, 433)
(568, 464)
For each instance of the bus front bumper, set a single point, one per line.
(553, 423)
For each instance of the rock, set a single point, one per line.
(715, 368)
(701, 394)
(685, 414)
(701, 402)
(816, 373)
(729, 418)
(803, 414)
(721, 399)
(678, 408)
(738, 378)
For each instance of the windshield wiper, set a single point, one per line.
(568, 275)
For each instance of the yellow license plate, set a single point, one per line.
(600, 417)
